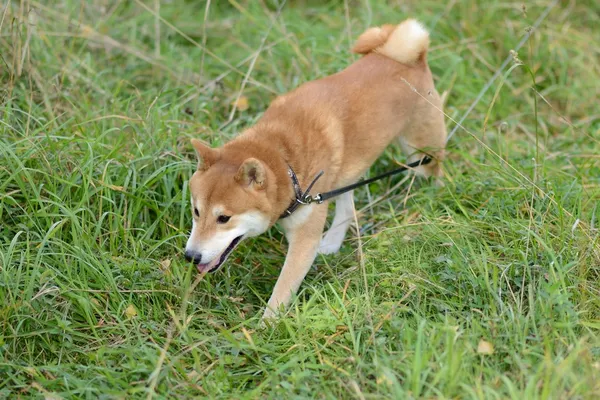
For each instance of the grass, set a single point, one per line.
(486, 288)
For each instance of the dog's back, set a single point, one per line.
(396, 61)
(356, 113)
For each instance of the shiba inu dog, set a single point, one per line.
(339, 124)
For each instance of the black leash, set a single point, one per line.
(304, 198)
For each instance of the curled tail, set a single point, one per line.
(406, 43)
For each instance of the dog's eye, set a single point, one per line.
(223, 219)
(196, 212)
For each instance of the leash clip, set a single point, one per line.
(306, 200)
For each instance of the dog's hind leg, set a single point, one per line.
(303, 231)
(344, 212)
(426, 134)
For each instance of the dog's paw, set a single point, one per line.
(269, 314)
(268, 318)
(331, 243)
(328, 248)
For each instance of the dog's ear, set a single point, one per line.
(206, 155)
(252, 173)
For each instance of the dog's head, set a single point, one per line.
(229, 203)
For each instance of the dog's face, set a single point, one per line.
(229, 203)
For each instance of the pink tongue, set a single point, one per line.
(203, 267)
(208, 266)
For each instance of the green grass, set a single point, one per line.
(97, 104)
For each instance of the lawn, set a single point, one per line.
(485, 288)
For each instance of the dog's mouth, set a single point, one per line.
(218, 261)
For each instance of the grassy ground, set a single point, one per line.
(486, 288)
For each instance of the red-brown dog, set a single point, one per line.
(339, 124)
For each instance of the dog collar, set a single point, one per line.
(301, 198)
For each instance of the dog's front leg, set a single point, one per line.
(303, 231)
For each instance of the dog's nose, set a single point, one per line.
(192, 256)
